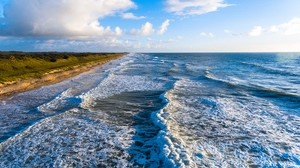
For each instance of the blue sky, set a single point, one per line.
(150, 26)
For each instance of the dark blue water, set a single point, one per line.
(161, 110)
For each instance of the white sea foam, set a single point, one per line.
(115, 84)
(166, 149)
(251, 130)
(65, 100)
(68, 139)
(172, 149)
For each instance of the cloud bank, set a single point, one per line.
(60, 17)
(291, 27)
(194, 7)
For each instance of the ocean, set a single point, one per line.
(161, 110)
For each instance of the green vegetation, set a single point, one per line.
(19, 65)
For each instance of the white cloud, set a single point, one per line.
(96, 45)
(207, 34)
(227, 31)
(164, 27)
(61, 17)
(118, 31)
(292, 27)
(132, 16)
(194, 7)
(236, 34)
(179, 37)
(146, 30)
(256, 31)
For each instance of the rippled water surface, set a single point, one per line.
(161, 110)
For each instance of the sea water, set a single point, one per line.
(161, 110)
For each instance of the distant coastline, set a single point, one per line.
(20, 71)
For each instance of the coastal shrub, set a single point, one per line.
(53, 60)
(18, 65)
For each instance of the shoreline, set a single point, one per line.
(53, 77)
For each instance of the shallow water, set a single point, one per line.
(161, 110)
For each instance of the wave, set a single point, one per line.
(235, 82)
(269, 69)
(162, 148)
(63, 102)
(251, 130)
(172, 150)
(115, 84)
(155, 144)
(74, 138)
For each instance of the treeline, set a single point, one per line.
(50, 56)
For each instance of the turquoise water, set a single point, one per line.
(161, 110)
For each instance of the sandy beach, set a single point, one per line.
(52, 77)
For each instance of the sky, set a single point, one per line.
(150, 25)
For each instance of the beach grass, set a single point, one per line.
(16, 66)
